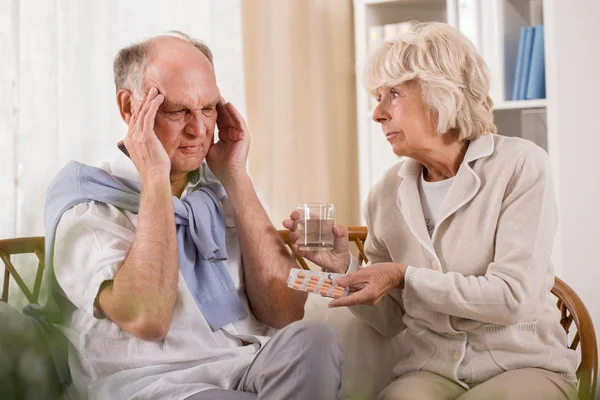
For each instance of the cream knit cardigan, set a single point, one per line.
(477, 299)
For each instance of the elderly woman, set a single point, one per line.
(460, 235)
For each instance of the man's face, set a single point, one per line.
(185, 122)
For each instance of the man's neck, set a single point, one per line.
(178, 183)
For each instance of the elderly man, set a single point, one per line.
(172, 276)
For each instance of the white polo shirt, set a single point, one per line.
(92, 241)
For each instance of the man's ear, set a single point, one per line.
(124, 101)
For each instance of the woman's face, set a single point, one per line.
(404, 119)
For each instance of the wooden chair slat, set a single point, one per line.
(38, 277)
(5, 285)
(18, 280)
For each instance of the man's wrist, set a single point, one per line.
(155, 183)
(233, 177)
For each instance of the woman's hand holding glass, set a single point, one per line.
(336, 260)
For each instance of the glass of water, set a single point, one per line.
(315, 226)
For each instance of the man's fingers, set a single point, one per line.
(144, 108)
(224, 118)
(135, 111)
(230, 135)
(151, 114)
(237, 117)
(225, 124)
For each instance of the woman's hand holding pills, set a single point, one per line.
(374, 282)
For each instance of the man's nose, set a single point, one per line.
(196, 125)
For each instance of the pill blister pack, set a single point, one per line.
(322, 283)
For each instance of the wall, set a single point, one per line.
(575, 144)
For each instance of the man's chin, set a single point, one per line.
(187, 166)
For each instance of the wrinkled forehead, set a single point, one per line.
(186, 83)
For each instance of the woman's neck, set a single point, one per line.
(443, 162)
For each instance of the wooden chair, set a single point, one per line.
(10, 247)
(570, 305)
(572, 309)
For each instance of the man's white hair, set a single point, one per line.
(453, 77)
(130, 62)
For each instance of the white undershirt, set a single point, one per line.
(432, 197)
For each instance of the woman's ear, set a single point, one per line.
(124, 101)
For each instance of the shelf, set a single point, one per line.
(520, 104)
(406, 2)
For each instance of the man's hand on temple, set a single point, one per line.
(227, 157)
(145, 150)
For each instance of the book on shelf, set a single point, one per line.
(536, 83)
(526, 62)
(530, 81)
(519, 63)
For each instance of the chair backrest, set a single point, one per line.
(10, 247)
(572, 310)
(570, 305)
(23, 340)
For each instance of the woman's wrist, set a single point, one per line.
(352, 265)
(401, 272)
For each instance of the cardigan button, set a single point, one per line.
(435, 265)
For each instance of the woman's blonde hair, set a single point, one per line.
(453, 77)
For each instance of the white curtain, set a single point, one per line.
(57, 93)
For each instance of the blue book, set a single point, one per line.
(536, 83)
(519, 64)
(526, 62)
